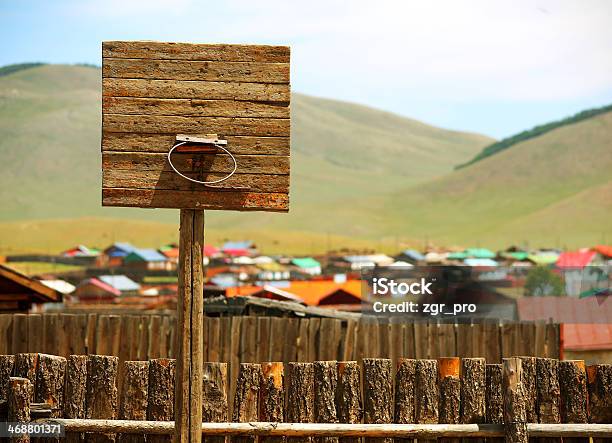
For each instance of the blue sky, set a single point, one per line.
(494, 67)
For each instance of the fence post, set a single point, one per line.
(325, 384)
(300, 397)
(495, 398)
(101, 400)
(19, 395)
(450, 393)
(405, 397)
(427, 397)
(473, 389)
(272, 396)
(600, 395)
(134, 396)
(75, 392)
(574, 396)
(378, 394)
(246, 400)
(348, 396)
(515, 415)
(6, 370)
(528, 365)
(214, 396)
(549, 394)
(161, 400)
(26, 366)
(50, 382)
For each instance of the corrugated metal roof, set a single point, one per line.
(119, 249)
(306, 262)
(480, 262)
(604, 250)
(120, 282)
(479, 253)
(575, 259)
(148, 255)
(413, 254)
(100, 284)
(237, 245)
(59, 285)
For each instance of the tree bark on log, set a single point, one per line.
(101, 400)
(600, 395)
(75, 391)
(300, 397)
(272, 396)
(348, 396)
(214, 396)
(6, 370)
(473, 389)
(246, 398)
(515, 414)
(450, 393)
(574, 395)
(495, 398)
(325, 383)
(378, 393)
(134, 396)
(26, 366)
(20, 392)
(549, 393)
(161, 401)
(427, 397)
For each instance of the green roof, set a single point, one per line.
(543, 259)
(305, 262)
(457, 256)
(517, 255)
(479, 253)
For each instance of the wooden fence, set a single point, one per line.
(414, 391)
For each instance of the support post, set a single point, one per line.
(515, 414)
(189, 337)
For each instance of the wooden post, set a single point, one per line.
(378, 393)
(272, 396)
(325, 384)
(450, 393)
(348, 396)
(75, 392)
(515, 415)
(246, 400)
(549, 394)
(494, 396)
(26, 366)
(427, 396)
(161, 402)
(574, 395)
(214, 396)
(189, 336)
(473, 389)
(134, 396)
(300, 397)
(528, 365)
(50, 382)
(102, 393)
(405, 399)
(6, 370)
(600, 395)
(19, 395)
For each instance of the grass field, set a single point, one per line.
(38, 268)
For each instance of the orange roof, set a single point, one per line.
(579, 337)
(604, 250)
(311, 291)
(171, 253)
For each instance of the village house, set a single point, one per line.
(20, 293)
(148, 260)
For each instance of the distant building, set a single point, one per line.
(93, 290)
(239, 248)
(115, 254)
(149, 260)
(18, 292)
(307, 265)
(123, 284)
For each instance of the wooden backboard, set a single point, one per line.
(152, 91)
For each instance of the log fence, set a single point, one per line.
(323, 401)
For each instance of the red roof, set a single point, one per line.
(210, 250)
(575, 259)
(604, 250)
(579, 337)
(100, 284)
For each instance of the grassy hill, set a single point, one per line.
(555, 189)
(344, 157)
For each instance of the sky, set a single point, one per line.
(492, 67)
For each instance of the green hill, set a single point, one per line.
(555, 189)
(343, 157)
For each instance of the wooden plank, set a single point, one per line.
(248, 340)
(103, 335)
(290, 337)
(246, 399)
(515, 418)
(20, 334)
(325, 386)
(574, 395)
(239, 145)
(143, 339)
(194, 51)
(112, 87)
(50, 336)
(76, 335)
(35, 336)
(187, 107)
(350, 330)
(243, 72)
(91, 333)
(134, 396)
(102, 393)
(190, 318)
(155, 337)
(162, 124)
(234, 347)
(492, 343)
(214, 338)
(241, 201)
(299, 407)
(348, 399)
(6, 333)
(263, 339)
(75, 392)
(303, 342)
(161, 394)
(421, 339)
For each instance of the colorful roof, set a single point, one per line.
(120, 282)
(543, 259)
(59, 285)
(306, 263)
(479, 253)
(485, 262)
(100, 284)
(237, 245)
(413, 254)
(604, 250)
(119, 249)
(457, 256)
(210, 250)
(148, 255)
(576, 259)
(81, 251)
(516, 255)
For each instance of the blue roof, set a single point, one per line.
(120, 282)
(119, 249)
(413, 254)
(480, 262)
(224, 280)
(147, 255)
(238, 245)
